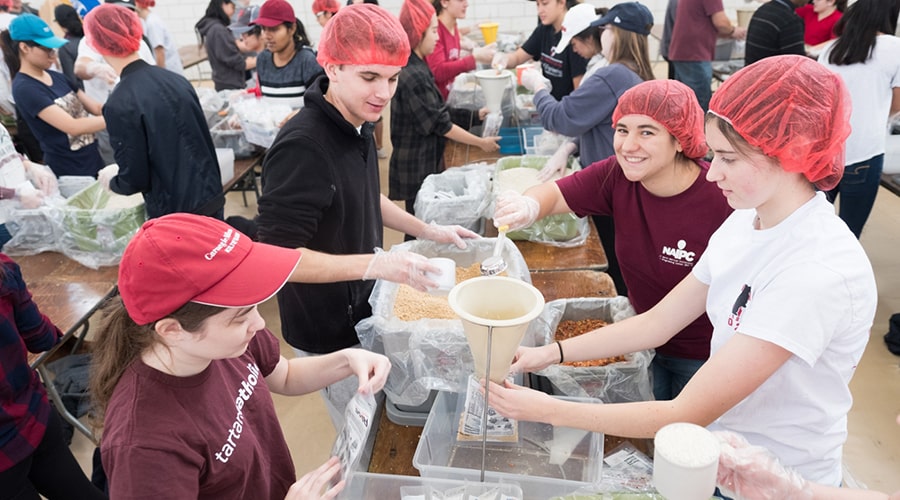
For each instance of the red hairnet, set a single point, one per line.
(674, 105)
(794, 110)
(145, 4)
(113, 30)
(6, 4)
(362, 34)
(325, 6)
(415, 16)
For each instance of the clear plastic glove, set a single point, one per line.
(556, 165)
(370, 368)
(533, 80)
(312, 486)
(43, 178)
(402, 267)
(485, 54)
(448, 234)
(515, 210)
(500, 61)
(467, 44)
(28, 196)
(748, 471)
(103, 71)
(106, 174)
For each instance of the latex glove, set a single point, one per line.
(485, 54)
(556, 165)
(28, 196)
(43, 178)
(500, 61)
(103, 71)
(467, 44)
(748, 471)
(489, 144)
(515, 210)
(448, 234)
(402, 267)
(106, 174)
(370, 368)
(533, 80)
(312, 485)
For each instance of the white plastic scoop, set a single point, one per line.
(495, 264)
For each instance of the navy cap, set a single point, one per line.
(630, 16)
(246, 16)
(31, 28)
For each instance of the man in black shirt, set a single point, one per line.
(774, 30)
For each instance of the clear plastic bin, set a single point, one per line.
(225, 137)
(455, 196)
(365, 486)
(440, 455)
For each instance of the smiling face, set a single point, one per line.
(551, 12)
(644, 148)
(361, 92)
(278, 38)
(747, 177)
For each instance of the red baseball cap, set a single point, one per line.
(275, 12)
(181, 258)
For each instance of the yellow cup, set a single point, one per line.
(489, 32)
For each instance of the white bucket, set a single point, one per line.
(225, 157)
(506, 304)
(685, 462)
(493, 84)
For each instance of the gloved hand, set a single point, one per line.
(106, 174)
(447, 234)
(533, 80)
(500, 61)
(747, 471)
(103, 71)
(515, 210)
(28, 196)
(402, 267)
(467, 44)
(556, 165)
(485, 54)
(43, 178)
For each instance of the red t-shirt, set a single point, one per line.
(658, 240)
(214, 435)
(817, 31)
(445, 62)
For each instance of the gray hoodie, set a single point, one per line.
(227, 62)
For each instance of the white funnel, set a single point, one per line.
(506, 304)
(493, 84)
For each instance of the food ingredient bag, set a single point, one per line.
(455, 196)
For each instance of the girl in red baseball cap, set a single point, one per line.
(184, 369)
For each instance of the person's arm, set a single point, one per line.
(445, 69)
(461, 135)
(725, 28)
(576, 81)
(133, 174)
(160, 54)
(304, 375)
(90, 104)
(57, 117)
(895, 101)
(36, 329)
(567, 116)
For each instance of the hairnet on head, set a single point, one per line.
(325, 6)
(674, 105)
(415, 16)
(794, 110)
(363, 34)
(113, 30)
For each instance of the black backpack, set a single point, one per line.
(892, 337)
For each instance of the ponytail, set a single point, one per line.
(10, 53)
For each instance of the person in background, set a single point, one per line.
(23, 184)
(161, 41)
(229, 66)
(774, 30)
(162, 143)
(698, 23)
(666, 40)
(247, 36)
(185, 342)
(620, 37)
(321, 192)
(585, 42)
(20, 7)
(5, 16)
(325, 10)
(789, 291)
(564, 70)
(655, 180)
(70, 22)
(420, 119)
(868, 59)
(447, 61)
(35, 460)
(287, 67)
(61, 116)
(819, 18)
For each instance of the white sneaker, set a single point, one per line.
(382, 154)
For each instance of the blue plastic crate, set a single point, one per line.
(511, 141)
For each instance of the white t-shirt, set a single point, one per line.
(871, 87)
(12, 173)
(97, 88)
(5, 19)
(159, 36)
(807, 286)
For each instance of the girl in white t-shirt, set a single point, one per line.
(788, 289)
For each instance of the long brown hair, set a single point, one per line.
(120, 343)
(631, 49)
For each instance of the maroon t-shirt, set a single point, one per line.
(214, 435)
(694, 35)
(658, 240)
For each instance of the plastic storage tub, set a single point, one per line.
(98, 220)
(366, 486)
(440, 455)
(225, 137)
(455, 196)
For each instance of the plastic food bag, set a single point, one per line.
(621, 382)
(260, 119)
(455, 196)
(431, 354)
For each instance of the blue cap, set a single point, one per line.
(630, 16)
(31, 28)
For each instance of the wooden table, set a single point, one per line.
(68, 293)
(244, 178)
(395, 444)
(192, 55)
(542, 257)
(457, 154)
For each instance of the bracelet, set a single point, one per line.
(559, 345)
